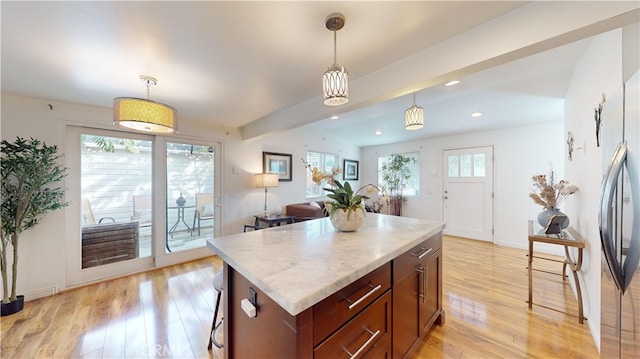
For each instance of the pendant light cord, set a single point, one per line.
(335, 51)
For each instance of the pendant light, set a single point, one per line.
(414, 116)
(145, 115)
(335, 82)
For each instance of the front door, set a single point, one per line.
(467, 196)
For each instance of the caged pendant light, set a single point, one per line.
(145, 115)
(414, 116)
(335, 82)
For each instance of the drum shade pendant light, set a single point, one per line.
(414, 116)
(335, 82)
(145, 115)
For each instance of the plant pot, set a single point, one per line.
(395, 206)
(545, 216)
(347, 221)
(13, 307)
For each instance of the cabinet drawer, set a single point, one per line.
(334, 311)
(366, 335)
(407, 262)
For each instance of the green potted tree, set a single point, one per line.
(30, 172)
(395, 174)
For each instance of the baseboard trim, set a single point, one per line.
(40, 293)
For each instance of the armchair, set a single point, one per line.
(142, 210)
(204, 209)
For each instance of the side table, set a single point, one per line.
(173, 228)
(271, 221)
(568, 239)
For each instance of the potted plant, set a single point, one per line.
(30, 171)
(395, 174)
(345, 207)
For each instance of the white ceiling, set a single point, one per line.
(233, 62)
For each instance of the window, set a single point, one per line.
(326, 163)
(412, 187)
(467, 165)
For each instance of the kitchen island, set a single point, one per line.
(320, 293)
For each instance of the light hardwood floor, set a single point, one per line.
(168, 312)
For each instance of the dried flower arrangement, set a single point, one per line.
(548, 194)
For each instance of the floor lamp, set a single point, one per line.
(266, 180)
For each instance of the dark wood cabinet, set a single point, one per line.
(381, 315)
(431, 305)
(417, 294)
(360, 335)
(337, 309)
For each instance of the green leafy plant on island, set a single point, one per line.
(30, 174)
(342, 197)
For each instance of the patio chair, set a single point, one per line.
(142, 210)
(204, 209)
(87, 213)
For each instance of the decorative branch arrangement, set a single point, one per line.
(598, 118)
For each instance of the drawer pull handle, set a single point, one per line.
(424, 294)
(366, 344)
(373, 290)
(425, 253)
(425, 281)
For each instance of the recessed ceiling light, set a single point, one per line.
(334, 117)
(476, 114)
(378, 132)
(451, 83)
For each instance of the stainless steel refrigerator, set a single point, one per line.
(620, 211)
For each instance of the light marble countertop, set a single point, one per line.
(298, 265)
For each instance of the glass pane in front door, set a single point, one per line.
(116, 177)
(190, 196)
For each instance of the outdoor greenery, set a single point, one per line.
(30, 173)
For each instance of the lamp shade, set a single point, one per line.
(414, 118)
(264, 180)
(335, 86)
(144, 115)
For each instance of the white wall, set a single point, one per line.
(519, 152)
(598, 71)
(43, 248)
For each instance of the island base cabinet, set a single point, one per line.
(272, 333)
(393, 307)
(417, 294)
(431, 301)
(361, 336)
(405, 318)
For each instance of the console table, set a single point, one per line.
(568, 239)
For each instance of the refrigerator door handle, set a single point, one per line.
(609, 186)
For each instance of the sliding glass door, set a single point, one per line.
(190, 195)
(137, 201)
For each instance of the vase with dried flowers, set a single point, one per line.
(346, 209)
(550, 195)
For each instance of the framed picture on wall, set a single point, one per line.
(351, 169)
(279, 163)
